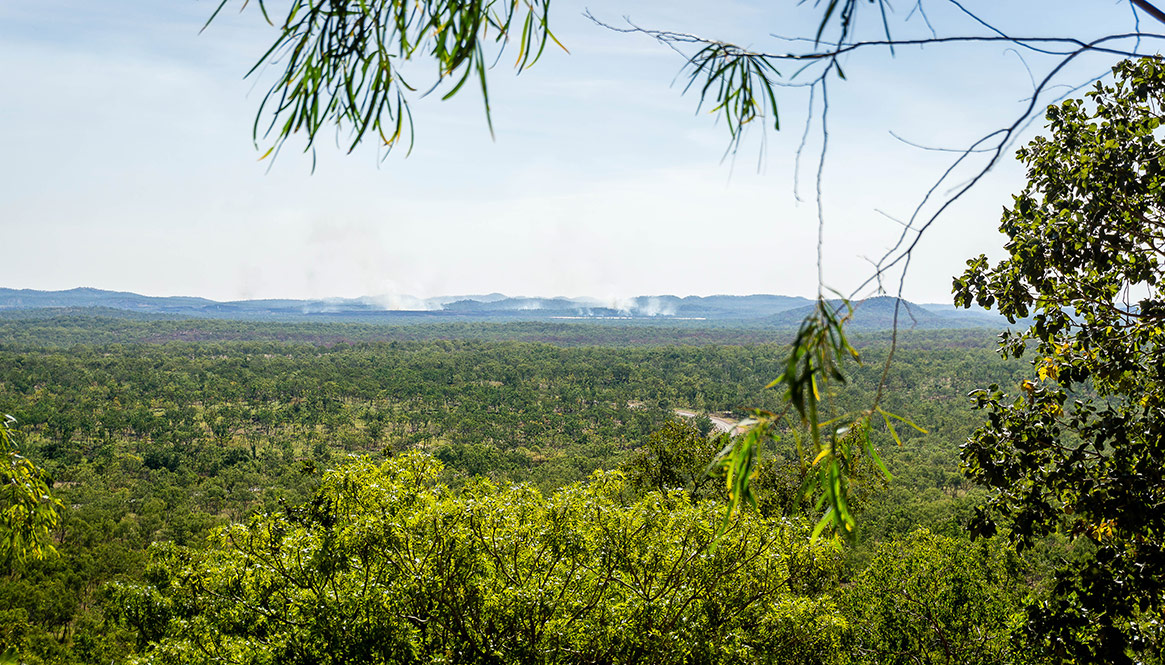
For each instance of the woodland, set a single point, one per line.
(530, 493)
(467, 500)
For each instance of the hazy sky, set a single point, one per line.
(127, 161)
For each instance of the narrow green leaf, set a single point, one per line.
(822, 523)
(898, 417)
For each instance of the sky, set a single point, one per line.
(128, 161)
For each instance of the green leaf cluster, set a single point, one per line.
(28, 511)
(839, 439)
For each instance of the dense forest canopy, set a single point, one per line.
(168, 441)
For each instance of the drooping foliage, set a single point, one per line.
(832, 440)
(345, 64)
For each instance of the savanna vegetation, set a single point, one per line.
(259, 500)
(479, 501)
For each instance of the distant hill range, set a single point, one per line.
(754, 310)
(878, 314)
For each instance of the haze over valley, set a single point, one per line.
(774, 311)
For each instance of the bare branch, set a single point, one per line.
(1149, 9)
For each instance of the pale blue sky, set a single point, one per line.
(128, 163)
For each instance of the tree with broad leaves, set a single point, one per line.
(1079, 448)
(387, 565)
(28, 511)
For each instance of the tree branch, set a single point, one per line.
(1149, 9)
